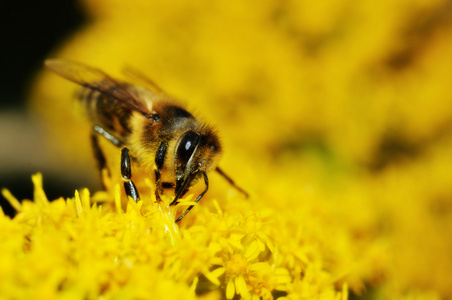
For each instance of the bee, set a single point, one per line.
(150, 128)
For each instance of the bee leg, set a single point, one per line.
(206, 181)
(231, 182)
(126, 173)
(159, 161)
(111, 138)
(99, 156)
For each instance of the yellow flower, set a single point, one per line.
(82, 248)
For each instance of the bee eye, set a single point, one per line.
(187, 145)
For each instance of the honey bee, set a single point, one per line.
(150, 128)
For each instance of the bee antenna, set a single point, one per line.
(231, 182)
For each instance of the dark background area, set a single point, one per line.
(30, 31)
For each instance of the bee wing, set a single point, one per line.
(96, 79)
(140, 78)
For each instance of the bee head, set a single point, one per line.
(195, 154)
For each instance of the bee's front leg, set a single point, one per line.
(159, 161)
(126, 173)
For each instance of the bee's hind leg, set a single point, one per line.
(99, 156)
(97, 150)
(126, 173)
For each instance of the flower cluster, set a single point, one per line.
(80, 248)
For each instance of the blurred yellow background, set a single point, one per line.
(335, 114)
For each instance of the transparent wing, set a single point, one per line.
(140, 78)
(96, 79)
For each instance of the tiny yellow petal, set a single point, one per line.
(215, 247)
(255, 297)
(270, 245)
(235, 241)
(217, 207)
(212, 278)
(260, 266)
(194, 283)
(242, 288)
(38, 194)
(78, 203)
(12, 200)
(85, 199)
(261, 245)
(345, 291)
(118, 199)
(230, 290)
(253, 250)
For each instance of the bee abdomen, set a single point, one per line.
(88, 98)
(106, 112)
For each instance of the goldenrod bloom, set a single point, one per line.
(77, 248)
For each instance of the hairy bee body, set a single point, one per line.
(151, 128)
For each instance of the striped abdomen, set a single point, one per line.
(109, 113)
